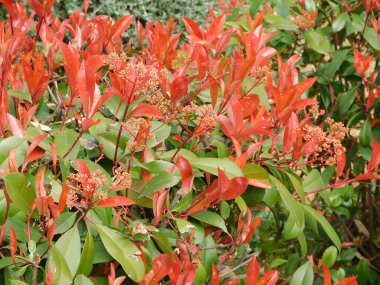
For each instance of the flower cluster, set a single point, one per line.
(325, 147)
(206, 117)
(84, 189)
(315, 111)
(115, 61)
(163, 104)
(305, 21)
(121, 179)
(180, 60)
(139, 129)
(260, 74)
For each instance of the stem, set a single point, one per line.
(73, 145)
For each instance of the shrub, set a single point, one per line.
(187, 160)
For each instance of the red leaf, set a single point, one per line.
(348, 281)
(326, 275)
(192, 27)
(63, 197)
(213, 83)
(146, 110)
(13, 244)
(121, 26)
(34, 152)
(158, 205)
(215, 275)
(341, 162)
(178, 84)
(54, 156)
(230, 189)
(161, 266)
(270, 278)
(40, 188)
(15, 126)
(259, 183)
(186, 173)
(253, 272)
(375, 158)
(115, 201)
(217, 25)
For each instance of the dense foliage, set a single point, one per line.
(242, 151)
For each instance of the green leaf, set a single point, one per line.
(303, 244)
(372, 38)
(87, 256)
(65, 221)
(279, 22)
(82, 280)
(241, 204)
(18, 282)
(329, 70)
(200, 276)
(20, 191)
(25, 95)
(329, 256)
(296, 181)
(211, 218)
(291, 229)
(329, 230)
(294, 207)
(363, 270)
(313, 181)
(6, 145)
(184, 203)
(182, 152)
(63, 142)
(158, 182)
(365, 136)
(69, 246)
(62, 274)
(222, 149)
(277, 262)
(163, 242)
(303, 276)
(123, 251)
(340, 22)
(209, 255)
(345, 100)
(255, 171)
(317, 41)
(224, 209)
(107, 142)
(211, 165)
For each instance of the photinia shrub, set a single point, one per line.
(191, 157)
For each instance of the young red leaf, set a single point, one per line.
(63, 197)
(348, 281)
(192, 28)
(34, 151)
(121, 26)
(115, 201)
(186, 173)
(178, 84)
(253, 271)
(270, 278)
(146, 110)
(13, 244)
(326, 275)
(215, 275)
(161, 266)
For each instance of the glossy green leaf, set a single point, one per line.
(279, 22)
(365, 136)
(163, 242)
(123, 251)
(225, 209)
(64, 141)
(62, 274)
(372, 38)
(294, 207)
(327, 227)
(158, 182)
(6, 145)
(297, 185)
(329, 256)
(20, 191)
(345, 100)
(87, 256)
(317, 41)
(69, 246)
(340, 21)
(211, 165)
(25, 95)
(211, 218)
(82, 280)
(303, 276)
(209, 254)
